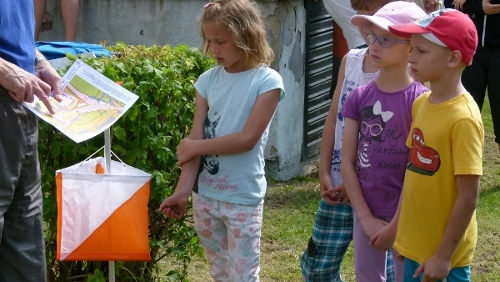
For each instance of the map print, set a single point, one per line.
(90, 103)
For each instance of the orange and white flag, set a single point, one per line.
(102, 217)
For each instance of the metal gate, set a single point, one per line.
(318, 75)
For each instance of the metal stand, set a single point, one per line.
(107, 158)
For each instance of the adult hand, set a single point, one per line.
(22, 85)
(490, 9)
(434, 269)
(458, 4)
(49, 75)
(431, 5)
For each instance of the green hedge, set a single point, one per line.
(145, 137)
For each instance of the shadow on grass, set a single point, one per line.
(295, 194)
(487, 191)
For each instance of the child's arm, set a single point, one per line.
(238, 142)
(175, 206)
(369, 223)
(490, 9)
(438, 266)
(328, 193)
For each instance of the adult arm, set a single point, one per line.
(238, 142)
(473, 8)
(490, 9)
(438, 266)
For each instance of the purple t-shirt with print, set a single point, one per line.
(384, 121)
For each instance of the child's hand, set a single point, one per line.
(383, 239)
(185, 151)
(325, 182)
(335, 195)
(434, 269)
(372, 225)
(174, 206)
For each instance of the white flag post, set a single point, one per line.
(107, 158)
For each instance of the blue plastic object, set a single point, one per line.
(54, 50)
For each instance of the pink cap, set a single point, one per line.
(447, 27)
(397, 12)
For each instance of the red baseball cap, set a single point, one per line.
(447, 27)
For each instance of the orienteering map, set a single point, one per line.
(90, 103)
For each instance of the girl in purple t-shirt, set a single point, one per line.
(377, 123)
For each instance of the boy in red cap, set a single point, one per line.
(435, 228)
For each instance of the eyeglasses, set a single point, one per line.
(385, 42)
(374, 129)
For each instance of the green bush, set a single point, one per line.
(145, 137)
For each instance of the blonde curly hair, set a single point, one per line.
(242, 18)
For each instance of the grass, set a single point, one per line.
(289, 215)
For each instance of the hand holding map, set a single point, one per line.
(90, 103)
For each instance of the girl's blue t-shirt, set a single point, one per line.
(237, 178)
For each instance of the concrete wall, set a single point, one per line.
(160, 22)
(135, 22)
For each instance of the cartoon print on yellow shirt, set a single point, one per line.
(423, 159)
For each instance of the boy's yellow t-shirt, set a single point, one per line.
(445, 140)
